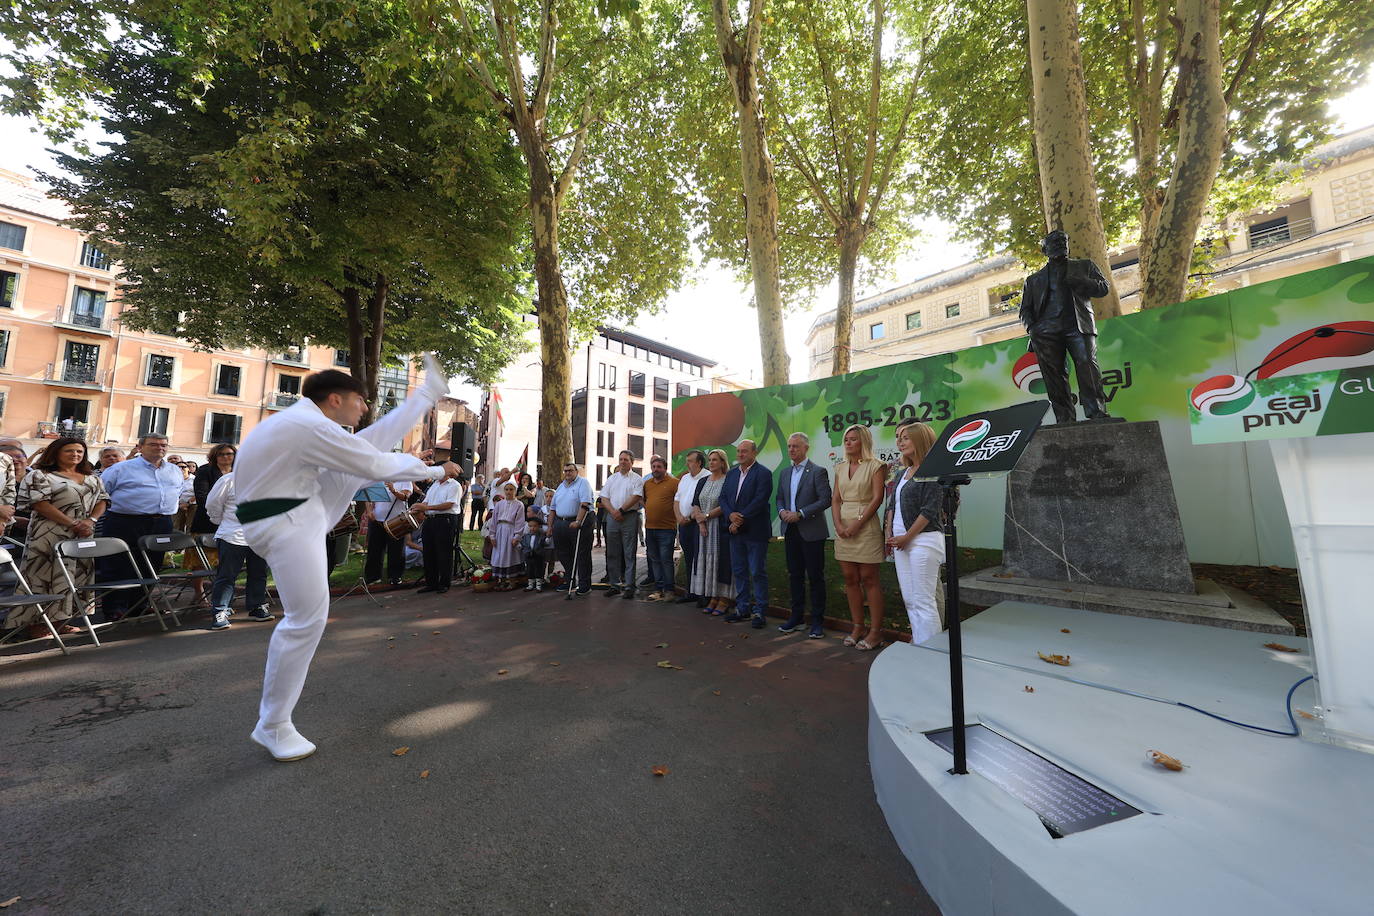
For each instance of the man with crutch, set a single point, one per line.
(572, 502)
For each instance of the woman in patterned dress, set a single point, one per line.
(711, 576)
(860, 482)
(507, 524)
(66, 498)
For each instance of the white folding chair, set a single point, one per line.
(25, 597)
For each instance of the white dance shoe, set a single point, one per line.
(283, 742)
(436, 379)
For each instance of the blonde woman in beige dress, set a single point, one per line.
(860, 484)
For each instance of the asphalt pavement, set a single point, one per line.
(533, 727)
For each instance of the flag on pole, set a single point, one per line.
(524, 460)
(496, 408)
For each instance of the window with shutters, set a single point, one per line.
(636, 416)
(661, 448)
(152, 421)
(684, 390)
(223, 427)
(636, 446)
(9, 288)
(79, 363)
(12, 236)
(660, 419)
(228, 381)
(660, 389)
(160, 369)
(93, 257)
(5, 348)
(637, 384)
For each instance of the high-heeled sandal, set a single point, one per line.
(864, 645)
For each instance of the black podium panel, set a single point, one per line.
(1065, 803)
(986, 444)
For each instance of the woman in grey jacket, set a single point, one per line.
(914, 533)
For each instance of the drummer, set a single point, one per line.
(388, 500)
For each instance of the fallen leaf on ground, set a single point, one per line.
(1164, 760)
(389, 638)
(1030, 689)
(1054, 659)
(715, 692)
(784, 677)
(662, 645)
(1064, 630)
(391, 646)
(1003, 576)
(504, 671)
(555, 664)
(661, 770)
(1305, 714)
(435, 633)
(1280, 647)
(400, 752)
(744, 636)
(419, 616)
(667, 664)
(424, 774)
(730, 646)
(10, 902)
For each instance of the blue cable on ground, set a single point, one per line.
(1287, 707)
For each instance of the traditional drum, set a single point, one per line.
(404, 524)
(346, 525)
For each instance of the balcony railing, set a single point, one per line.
(65, 373)
(1276, 235)
(95, 321)
(53, 429)
(280, 399)
(297, 356)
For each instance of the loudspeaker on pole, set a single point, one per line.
(464, 451)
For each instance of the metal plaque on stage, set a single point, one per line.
(1064, 802)
(986, 444)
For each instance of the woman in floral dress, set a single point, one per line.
(711, 576)
(66, 498)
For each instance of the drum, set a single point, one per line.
(346, 525)
(404, 524)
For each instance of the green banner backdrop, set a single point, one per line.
(1227, 493)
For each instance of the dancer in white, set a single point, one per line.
(295, 475)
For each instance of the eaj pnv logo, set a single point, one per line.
(1222, 395)
(968, 435)
(1025, 374)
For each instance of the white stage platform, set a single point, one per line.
(1256, 824)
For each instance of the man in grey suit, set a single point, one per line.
(803, 498)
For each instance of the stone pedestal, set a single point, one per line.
(1093, 503)
(1091, 522)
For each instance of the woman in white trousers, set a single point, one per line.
(914, 533)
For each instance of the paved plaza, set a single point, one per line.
(533, 725)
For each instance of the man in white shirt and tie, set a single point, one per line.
(296, 473)
(687, 534)
(803, 497)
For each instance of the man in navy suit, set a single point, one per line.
(744, 499)
(803, 497)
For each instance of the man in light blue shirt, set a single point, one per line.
(572, 501)
(143, 498)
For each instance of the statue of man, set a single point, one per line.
(1057, 310)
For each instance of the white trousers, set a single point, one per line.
(293, 546)
(918, 573)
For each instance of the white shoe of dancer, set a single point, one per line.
(436, 379)
(283, 742)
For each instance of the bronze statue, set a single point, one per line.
(1057, 310)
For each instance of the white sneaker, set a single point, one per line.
(221, 620)
(283, 742)
(538, 585)
(529, 586)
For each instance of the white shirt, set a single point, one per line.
(221, 506)
(899, 526)
(445, 491)
(620, 487)
(188, 492)
(686, 489)
(386, 511)
(283, 456)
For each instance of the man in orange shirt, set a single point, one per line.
(660, 527)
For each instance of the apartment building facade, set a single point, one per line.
(68, 363)
(623, 388)
(1326, 217)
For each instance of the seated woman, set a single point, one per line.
(66, 498)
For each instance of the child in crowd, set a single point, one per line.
(532, 543)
